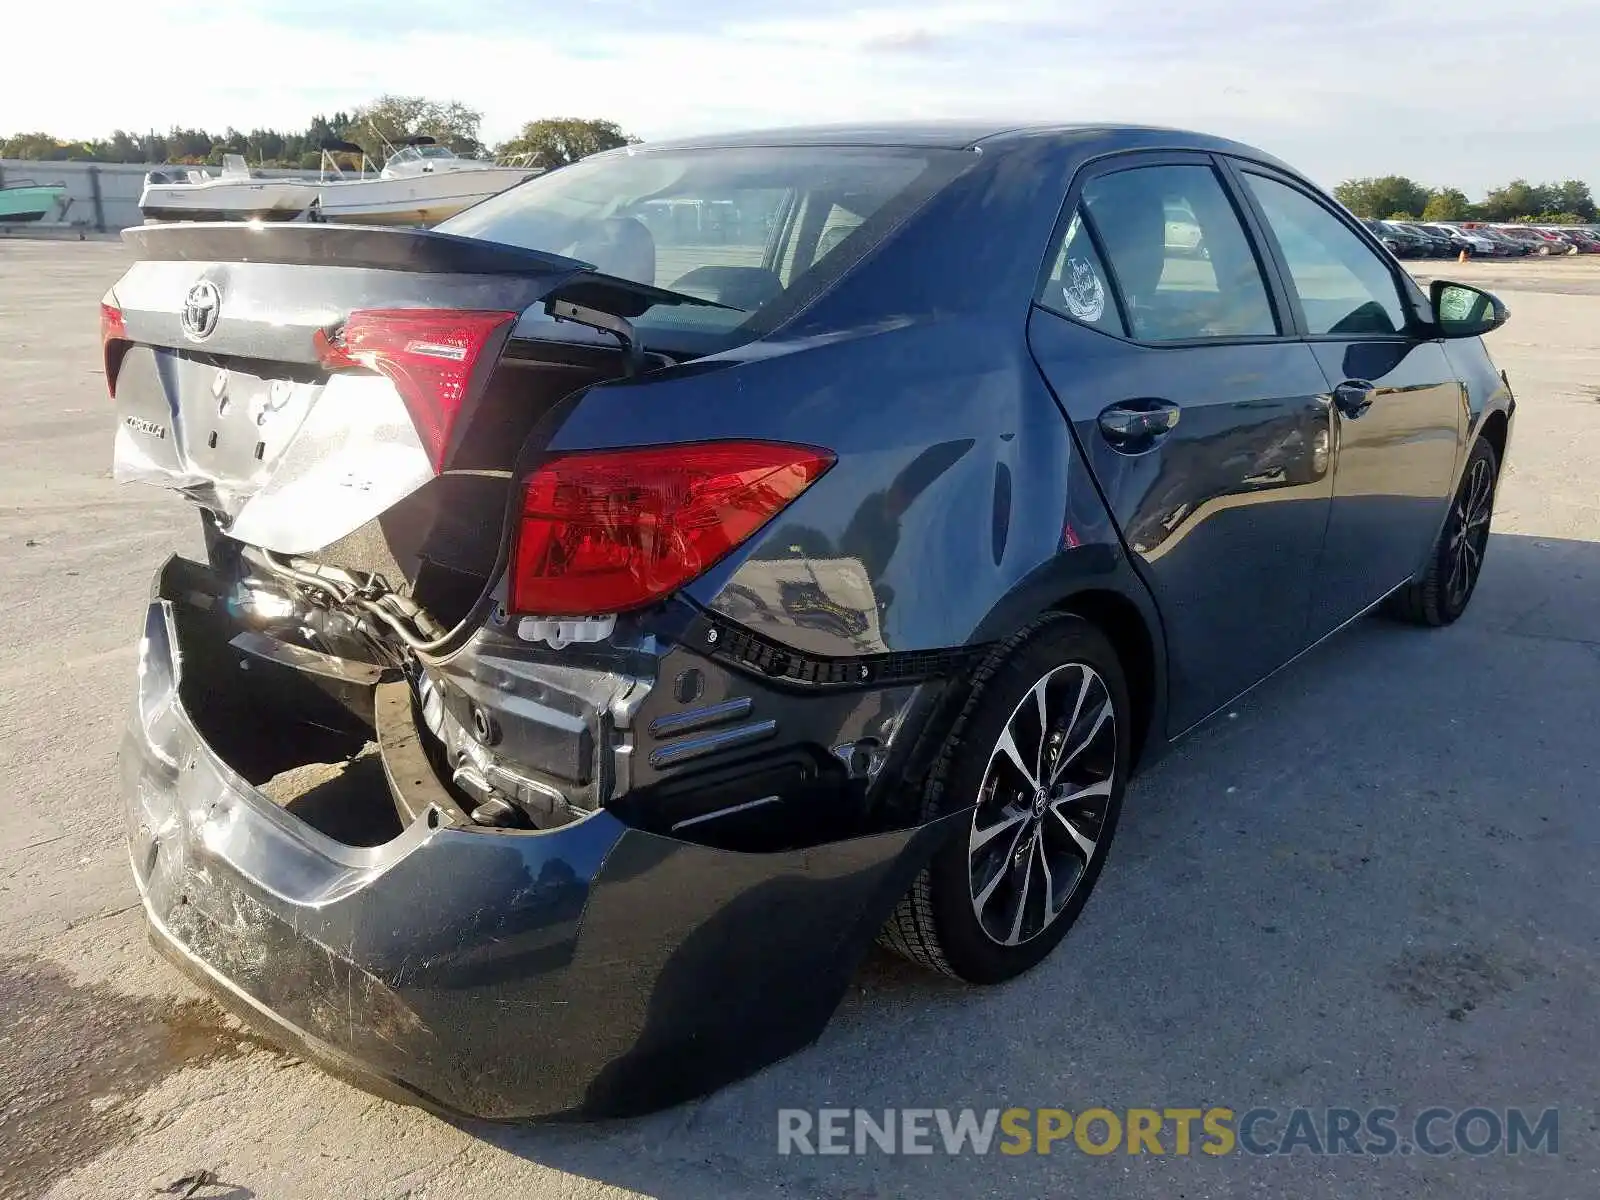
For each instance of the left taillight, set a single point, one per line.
(431, 355)
(607, 531)
(113, 342)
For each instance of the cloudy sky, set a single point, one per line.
(1456, 93)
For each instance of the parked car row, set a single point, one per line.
(1419, 239)
(1411, 239)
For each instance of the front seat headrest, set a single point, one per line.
(620, 246)
(1134, 230)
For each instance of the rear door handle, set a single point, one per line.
(1354, 397)
(1138, 424)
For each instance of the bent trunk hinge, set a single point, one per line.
(618, 327)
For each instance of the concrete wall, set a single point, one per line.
(104, 196)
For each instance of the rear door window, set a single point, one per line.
(1178, 255)
(1077, 286)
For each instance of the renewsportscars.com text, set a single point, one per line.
(1215, 1132)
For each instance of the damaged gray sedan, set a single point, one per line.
(625, 601)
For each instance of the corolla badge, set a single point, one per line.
(201, 308)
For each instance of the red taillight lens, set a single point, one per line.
(113, 342)
(430, 355)
(608, 531)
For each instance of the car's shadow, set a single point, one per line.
(1363, 884)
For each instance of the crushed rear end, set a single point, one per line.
(383, 792)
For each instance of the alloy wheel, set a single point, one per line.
(1470, 536)
(1042, 805)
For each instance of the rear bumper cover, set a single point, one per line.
(586, 971)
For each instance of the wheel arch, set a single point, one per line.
(1125, 626)
(1495, 428)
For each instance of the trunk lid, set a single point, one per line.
(232, 386)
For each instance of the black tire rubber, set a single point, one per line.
(934, 925)
(1424, 601)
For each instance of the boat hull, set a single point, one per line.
(422, 199)
(23, 204)
(227, 200)
(415, 200)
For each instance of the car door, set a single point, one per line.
(1399, 413)
(1203, 418)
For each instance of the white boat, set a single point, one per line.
(421, 184)
(189, 194)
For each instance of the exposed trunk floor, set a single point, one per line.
(348, 799)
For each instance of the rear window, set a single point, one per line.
(757, 230)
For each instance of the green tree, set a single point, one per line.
(557, 141)
(189, 145)
(1519, 200)
(32, 145)
(266, 147)
(1447, 204)
(1573, 197)
(1381, 196)
(393, 119)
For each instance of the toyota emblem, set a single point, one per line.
(201, 308)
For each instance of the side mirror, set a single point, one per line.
(1461, 311)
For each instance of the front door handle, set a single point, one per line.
(1354, 397)
(1138, 424)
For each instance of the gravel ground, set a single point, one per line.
(1372, 883)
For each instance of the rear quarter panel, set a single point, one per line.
(957, 508)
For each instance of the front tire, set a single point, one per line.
(1441, 593)
(1040, 755)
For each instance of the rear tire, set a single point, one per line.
(1441, 593)
(1041, 754)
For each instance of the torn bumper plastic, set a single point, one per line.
(590, 970)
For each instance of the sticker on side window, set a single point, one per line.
(1082, 290)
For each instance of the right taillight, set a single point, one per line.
(113, 342)
(430, 354)
(613, 530)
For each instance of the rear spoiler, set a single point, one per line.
(307, 244)
(575, 291)
(388, 248)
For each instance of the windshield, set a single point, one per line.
(759, 231)
(416, 153)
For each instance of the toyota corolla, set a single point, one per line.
(625, 601)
